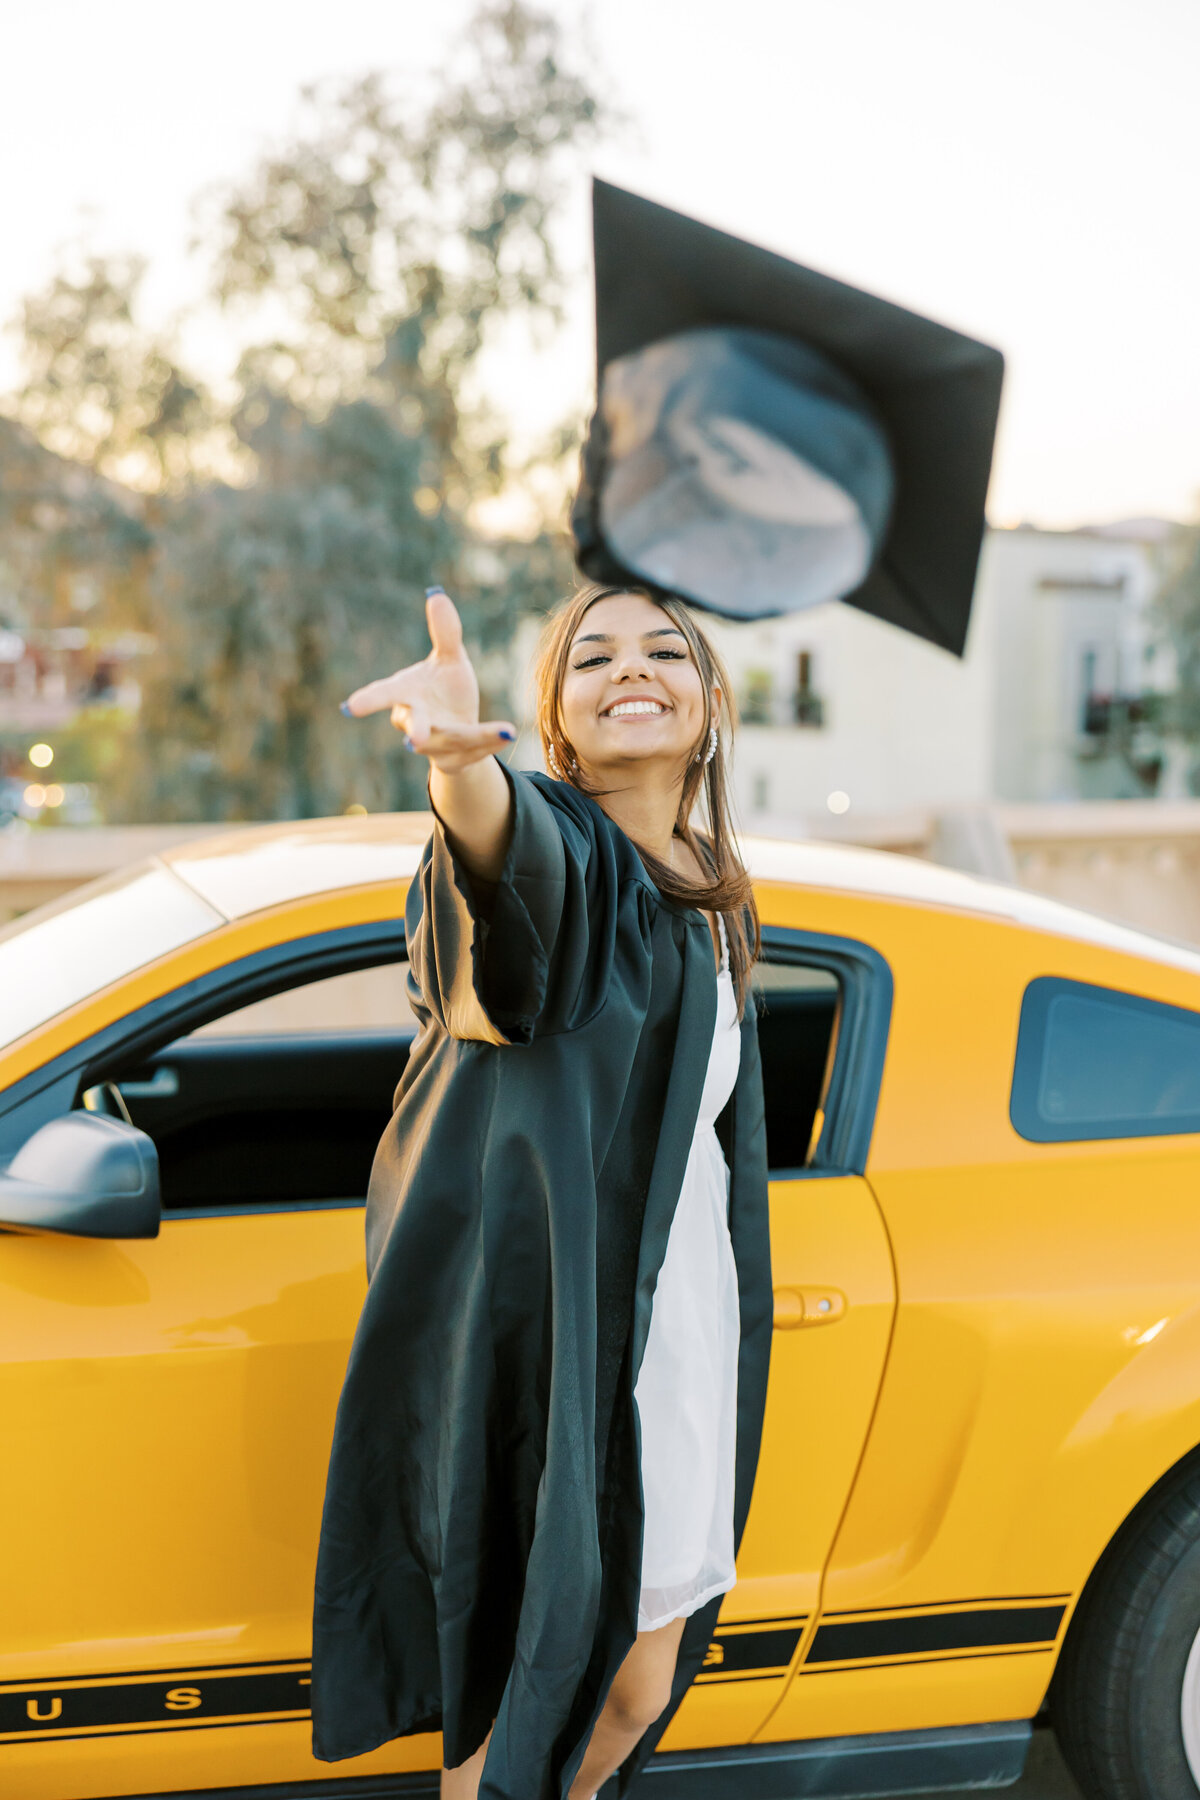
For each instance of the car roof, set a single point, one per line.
(246, 871)
(885, 875)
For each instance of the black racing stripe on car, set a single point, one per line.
(921, 1662)
(99, 1732)
(735, 1654)
(180, 1700)
(986, 1627)
(176, 1672)
(703, 1680)
(757, 1627)
(194, 1697)
(855, 1612)
(266, 1693)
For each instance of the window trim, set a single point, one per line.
(257, 1208)
(867, 990)
(1027, 1121)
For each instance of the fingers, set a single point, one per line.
(499, 728)
(377, 696)
(445, 636)
(445, 626)
(412, 717)
(483, 740)
(457, 746)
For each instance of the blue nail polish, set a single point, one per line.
(508, 736)
(405, 742)
(436, 589)
(344, 709)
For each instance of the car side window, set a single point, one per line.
(280, 1103)
(797, 1012)
(1093, 1062)
(360, 1000)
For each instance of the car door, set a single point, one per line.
(172, 1403)
(822, 1030)
(168, 1411)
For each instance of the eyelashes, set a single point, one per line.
(593, 662)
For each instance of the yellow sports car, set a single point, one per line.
(978, 1503)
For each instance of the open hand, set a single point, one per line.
(436, 702)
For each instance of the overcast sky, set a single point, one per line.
(1026, 170)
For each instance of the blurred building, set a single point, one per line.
(1035, 759)
(847, 718)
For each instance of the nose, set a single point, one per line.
(631, 664)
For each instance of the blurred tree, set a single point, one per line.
(278, 599)
(100, 390)
(380, 247)
(75, 563)
(60, 523)
(395, 235)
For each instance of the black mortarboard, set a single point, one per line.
(766, 438)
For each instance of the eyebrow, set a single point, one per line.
(602, 637)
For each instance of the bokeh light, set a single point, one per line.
(41, 756)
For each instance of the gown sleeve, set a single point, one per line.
(500, 963)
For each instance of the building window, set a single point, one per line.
(756, 697)
(808, 707)
(1094, 709)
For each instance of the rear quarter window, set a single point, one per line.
(1096, 1063)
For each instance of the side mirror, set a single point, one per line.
(85, 1175)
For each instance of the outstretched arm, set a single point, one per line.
(436, 702)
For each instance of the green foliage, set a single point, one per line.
(296, 530)
(275, 601)
(91, 748)
(98, 389)
(57, 522)
(385, 215)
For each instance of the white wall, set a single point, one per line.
(907, 725)
(903, 720)
(1053, 597)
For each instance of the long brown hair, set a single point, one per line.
(729, 891)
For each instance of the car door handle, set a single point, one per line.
(163, 1085)
(804, 1306)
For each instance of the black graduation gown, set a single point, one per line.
(481, 1538)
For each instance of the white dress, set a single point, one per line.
(686, 1390)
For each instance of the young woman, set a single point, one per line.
(547, 1436)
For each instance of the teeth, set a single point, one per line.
(629, 708)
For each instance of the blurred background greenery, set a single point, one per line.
(195, 567)
(191, 580)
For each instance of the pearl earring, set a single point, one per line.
(712, 747)
(555, 770)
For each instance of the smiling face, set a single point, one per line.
(631, 691)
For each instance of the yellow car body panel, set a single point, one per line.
(824, 1377)
(1038, 1380)
(1004, 1364)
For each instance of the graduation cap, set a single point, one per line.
(766, 438)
